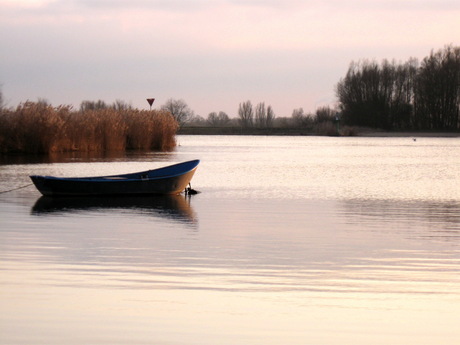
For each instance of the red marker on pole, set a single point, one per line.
(150, 100)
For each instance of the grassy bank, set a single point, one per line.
(41, 128)
(323, 129)
(327, 131)
(242, 131)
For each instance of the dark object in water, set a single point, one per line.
(172, 179)
(190, 191)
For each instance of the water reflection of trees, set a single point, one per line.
(174, 207)
(442, 216)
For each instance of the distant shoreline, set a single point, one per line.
(423, 134)
(359, 132)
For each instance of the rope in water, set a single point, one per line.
(10, 190)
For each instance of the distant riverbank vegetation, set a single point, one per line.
(403, 96)
(387, 96)
(37, 127)
(261, 119)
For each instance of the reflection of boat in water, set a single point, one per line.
(174, 207)
(167, 180)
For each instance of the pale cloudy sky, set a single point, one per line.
(214, 54)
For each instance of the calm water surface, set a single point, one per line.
(292, 240)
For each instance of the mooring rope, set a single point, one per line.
(7, 191)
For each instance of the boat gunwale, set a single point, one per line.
(121, 178)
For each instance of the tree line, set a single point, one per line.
(409, 95)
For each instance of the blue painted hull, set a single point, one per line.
(172, 179)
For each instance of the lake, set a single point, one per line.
(292, 240)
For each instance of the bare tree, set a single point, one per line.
(438, 90)
(398, 96)
(297, 113)
(261, 115)
(270, 118)
(301, 119)
(246, 114)
(1, 100)
(224, 119)
(179, 110)
(92, 105)
(212, 119)
(121, 105)
(325, 114)
(220, 119)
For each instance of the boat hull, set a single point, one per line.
(168, 180)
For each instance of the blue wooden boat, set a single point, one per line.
(172, 179)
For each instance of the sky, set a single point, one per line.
(213, 54)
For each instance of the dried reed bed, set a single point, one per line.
(150, 130)
(42, 128)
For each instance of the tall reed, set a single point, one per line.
(41, 128)
(150, 130)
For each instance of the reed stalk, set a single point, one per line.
(41, 128)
